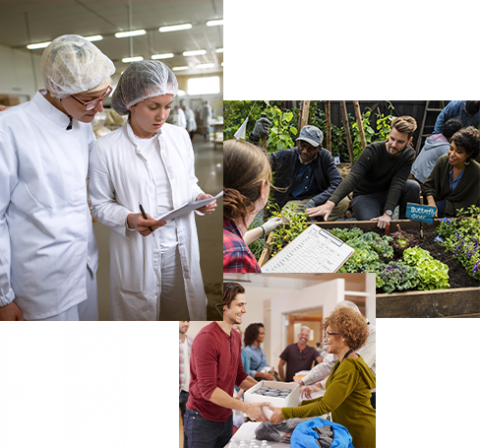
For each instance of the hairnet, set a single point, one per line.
(141, 80)
(72, 64)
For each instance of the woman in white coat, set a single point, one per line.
(154, 265)
(48, 254)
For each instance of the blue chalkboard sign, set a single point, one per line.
(421, 213)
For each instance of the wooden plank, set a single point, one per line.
(358, 114)
(437, 303)
(304, 111)
(346, 126)
(328, 119)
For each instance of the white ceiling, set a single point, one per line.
(49, 19)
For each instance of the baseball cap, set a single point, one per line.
(312, 135)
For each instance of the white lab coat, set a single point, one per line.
(120, 179)
(190, 117)
(46, 233)
(182, 121)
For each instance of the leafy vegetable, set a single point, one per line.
(397, 276)
(432, 274)
(402, 240)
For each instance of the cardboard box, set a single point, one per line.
(13, 101)
(291, 401)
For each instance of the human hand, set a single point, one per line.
(255, 413)
(309, 204)
(306, 391)
(382, 221)
(210, 207)
(11, 312)
(239, 394)
(276, 417)
(138, 222)
(269, 377)
(299, 382)
(322, 210)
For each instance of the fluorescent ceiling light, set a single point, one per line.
(162, 56)
(208, 65)
(176, 69)
(167, 29)
(94, 38)
(135, 58)
(215, 22)
(194, 52)
(130, 33)
(39, 45)
(219, 50)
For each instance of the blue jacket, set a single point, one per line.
(285, 163)
(456, 109)
(305, 437)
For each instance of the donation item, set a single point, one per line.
(320, 433)
(278, 394)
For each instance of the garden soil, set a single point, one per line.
(457, 276)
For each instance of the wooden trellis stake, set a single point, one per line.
(358, 114)
(303, 119)
(346, 126)
(328, 119)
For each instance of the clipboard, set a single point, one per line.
(313, 251)
(187, 208)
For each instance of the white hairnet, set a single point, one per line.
(348, 304)
(72, 64)
(141, 80)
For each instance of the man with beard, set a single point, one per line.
(379, 178)
(305, 175)
(298, 356)
(215, 368)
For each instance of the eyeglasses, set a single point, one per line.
(327, 335)
(94, 103)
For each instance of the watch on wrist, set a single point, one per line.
(389, 213)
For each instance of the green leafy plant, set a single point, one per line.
(462, 237)
(257, 246)
(432, 274)
(402, 240)
(297, 223)
(357, 147)
(396, 276)
(282, 130)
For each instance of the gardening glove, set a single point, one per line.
(309, 204)
(261, 129)
(271, 225)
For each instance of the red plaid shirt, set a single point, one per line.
(237, 257)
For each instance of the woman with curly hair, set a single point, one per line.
(347, 394)
(453, 183)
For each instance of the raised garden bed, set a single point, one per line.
(462, 298)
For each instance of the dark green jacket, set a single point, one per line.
(466, 193)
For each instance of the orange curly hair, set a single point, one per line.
(350, 324)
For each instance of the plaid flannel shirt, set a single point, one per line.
(181, 364)
(237, 257)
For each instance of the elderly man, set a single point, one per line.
(185, 349)
(305, 175)
(298, 356)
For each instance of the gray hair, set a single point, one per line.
(304, 327)
(348, 304)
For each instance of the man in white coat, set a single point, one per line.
(206, 116)
(48, 254)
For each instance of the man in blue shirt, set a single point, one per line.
(306, 175)
(468, 112)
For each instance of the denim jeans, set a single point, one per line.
(368, 206)
(203, 433)
(182, 404)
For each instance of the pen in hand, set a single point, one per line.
(144, 215)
